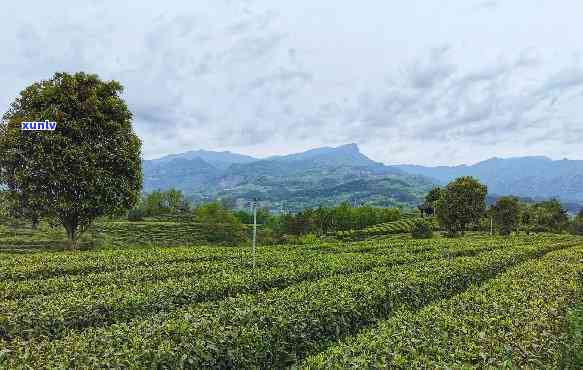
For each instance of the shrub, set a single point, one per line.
(577, 226)
(506, 214)
(573, 353)
(136, 214)
(309, 239)
(421, 230)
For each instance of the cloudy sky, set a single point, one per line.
(416, 81)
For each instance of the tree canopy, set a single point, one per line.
(87, 167)
(506, 214)
(461, 202)
(548, 216)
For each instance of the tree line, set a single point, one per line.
(318, 221)
(461, 205)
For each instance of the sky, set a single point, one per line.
(432, 82)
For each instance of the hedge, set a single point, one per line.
(268, 329)
(515, 320)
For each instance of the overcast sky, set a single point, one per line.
(416, 81)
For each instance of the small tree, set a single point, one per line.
(462, 202)
(219, 224)
(433, 196)
(549, 216)
(506, 214)
(136, 214)
(428, 206)
(4, 205)
(577, 224)
(421, 230)
(89, 166)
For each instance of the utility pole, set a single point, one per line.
(254, 228)
(491, 225)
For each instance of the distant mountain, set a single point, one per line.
(220, 160)
(322, 176)
(183, 174)
(533, 177)
(343, 155)
(326, 176)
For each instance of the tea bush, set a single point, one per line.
(421, 229)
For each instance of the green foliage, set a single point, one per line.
(506, 214)
(431, 200)
(512, 321)
(219, 314)
(263, 216)
(88, 167)
(402, 226)
(219, 225)
(4, 205)
(573, 349)
(309, 239)
(161, 203)
(136, 214)
(152, 233)
(548, 216)
(576, 226)
(462, 202)
(421, 230)
(341, 218)
(185, 277)
(434, 195)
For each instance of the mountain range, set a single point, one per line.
(323, 176)
(327, 176)
(533, 177)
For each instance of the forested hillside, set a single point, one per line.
(323, 176)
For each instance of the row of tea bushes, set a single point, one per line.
(267, 329)
(152, 233)
(78, 301)
(402, 226)
(512, 321)
(22, 238)
(185, 262)
(48, 265)
(111, 301)
(573, 353)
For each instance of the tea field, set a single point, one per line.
(477, 301)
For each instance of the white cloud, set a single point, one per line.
(426, 82)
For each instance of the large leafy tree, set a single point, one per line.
(430, 201)
(549, 216)
(88, 167)
(463, 201)
(433, 196)
(506, 214)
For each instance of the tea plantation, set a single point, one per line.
(477, 301)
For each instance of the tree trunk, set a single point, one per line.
(71, 229)
(35, 222)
